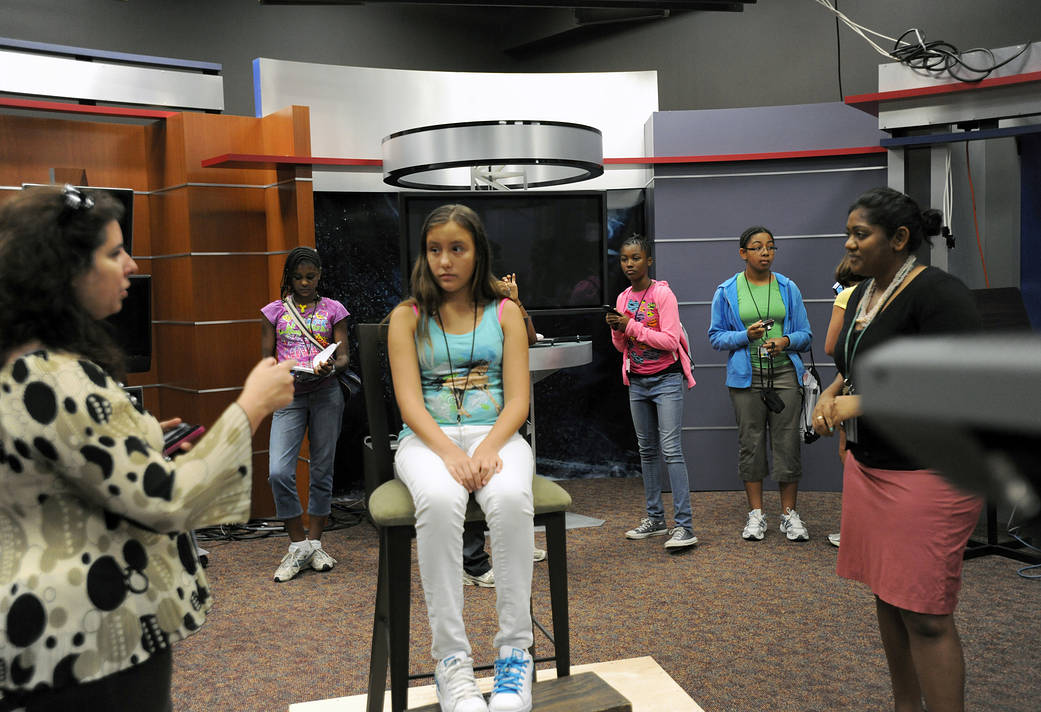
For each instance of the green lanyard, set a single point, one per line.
(851, 353)
(769, 293)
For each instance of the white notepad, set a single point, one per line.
(319, 358)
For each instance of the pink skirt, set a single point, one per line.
(904, 534)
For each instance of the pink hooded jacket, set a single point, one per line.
(668, 336)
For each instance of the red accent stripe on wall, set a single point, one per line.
(86, 108)
(720, 158)
(256, 160)
(869, 102)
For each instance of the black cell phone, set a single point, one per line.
(608, 309)
(185, 432)
(767, 323)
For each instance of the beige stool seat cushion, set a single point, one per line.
(390, 504)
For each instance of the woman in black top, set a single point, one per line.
(904, 529)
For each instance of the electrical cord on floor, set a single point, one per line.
(343, 515)
(1012, 532)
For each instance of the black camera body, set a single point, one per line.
(772, 400)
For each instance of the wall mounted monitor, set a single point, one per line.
(124, 195)
(132, 325)
(553, 241)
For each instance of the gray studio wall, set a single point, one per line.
(700, 209)
(775, 52)
(783, 51)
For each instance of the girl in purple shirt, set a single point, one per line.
(317, 407)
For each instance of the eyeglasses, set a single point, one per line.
(75, 202)
(761, 248)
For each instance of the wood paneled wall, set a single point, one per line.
(213, 239)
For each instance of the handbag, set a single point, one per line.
(811, 393)
(350, 382)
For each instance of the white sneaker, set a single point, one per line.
(538, 554)
(292, 562)
(514, 670)
(321, 561)
(680, 538)
(485, 580)
(755, 527)
(793, 527)
(833, 539)
(456, 688)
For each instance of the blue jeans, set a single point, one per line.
(656, 402)
(320, 414)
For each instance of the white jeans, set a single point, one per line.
(440, 510)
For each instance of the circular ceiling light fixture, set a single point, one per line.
(496, 155)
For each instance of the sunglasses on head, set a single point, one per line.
(75, 202)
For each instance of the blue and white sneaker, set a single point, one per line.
(514, 670)
(456, 688)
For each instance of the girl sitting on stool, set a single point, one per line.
(459, 359)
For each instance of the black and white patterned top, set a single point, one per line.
(97, 571)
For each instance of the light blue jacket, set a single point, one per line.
(728, 333)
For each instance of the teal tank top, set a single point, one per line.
(475, 383)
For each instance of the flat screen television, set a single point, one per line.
(552, 240)
(132, 325)
(124, 196)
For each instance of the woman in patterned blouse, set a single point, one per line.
(98, 575)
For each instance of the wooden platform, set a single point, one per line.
(640, 681)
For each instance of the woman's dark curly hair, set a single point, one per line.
(47, 240)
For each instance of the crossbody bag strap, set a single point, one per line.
(291, 308)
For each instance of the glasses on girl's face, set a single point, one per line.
(761, 248)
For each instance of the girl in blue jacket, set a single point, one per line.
(758, 316)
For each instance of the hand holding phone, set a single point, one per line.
(767, 323)
(183, 433)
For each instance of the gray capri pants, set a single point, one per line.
(754, 418)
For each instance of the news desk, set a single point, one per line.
(545, 359)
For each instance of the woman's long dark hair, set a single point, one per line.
(427, 294)
(47, 240)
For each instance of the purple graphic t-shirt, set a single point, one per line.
(292, 343)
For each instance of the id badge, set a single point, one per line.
(763, 353)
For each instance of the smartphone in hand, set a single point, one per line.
(185, 432)
(767, 323)
(608, 309)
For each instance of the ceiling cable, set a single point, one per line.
(911, 50)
